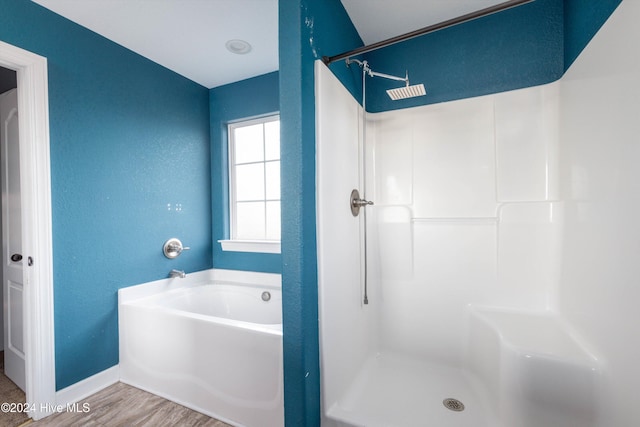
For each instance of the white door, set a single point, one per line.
(12, 262)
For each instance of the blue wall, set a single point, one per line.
(309, 29)
(519, 47)
(526, 46)
(128, 139)
(582, 19)
(258, 96)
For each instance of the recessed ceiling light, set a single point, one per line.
(239, 47)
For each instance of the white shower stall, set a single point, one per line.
(502, 251)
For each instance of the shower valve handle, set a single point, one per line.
(173, 247)
(357, 202)
(361, 202)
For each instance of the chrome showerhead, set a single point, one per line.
(409, 91)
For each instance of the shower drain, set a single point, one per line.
(453, 404)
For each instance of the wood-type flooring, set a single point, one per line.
(11, 394)
(121, 405)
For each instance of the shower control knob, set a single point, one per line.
(356, 202)
(361, 202)
(173, 247)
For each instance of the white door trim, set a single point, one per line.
(35, 179)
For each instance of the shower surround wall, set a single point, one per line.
(599, 152)
(466, 212)
(503, 246)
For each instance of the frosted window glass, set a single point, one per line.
(273, 221)
(272, 140)
(249, 144)
(250, 182)
(273, 180)
(250, 224)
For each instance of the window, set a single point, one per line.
(254, 185)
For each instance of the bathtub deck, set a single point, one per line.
(396, 391)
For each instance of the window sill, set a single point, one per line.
(262, 246)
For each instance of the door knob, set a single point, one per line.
(16, 257)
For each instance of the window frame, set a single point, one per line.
(233, 243)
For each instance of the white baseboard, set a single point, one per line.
(85, 388)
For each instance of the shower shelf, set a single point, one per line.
(533, 363)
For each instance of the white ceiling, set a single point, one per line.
(189, 36)
(186, 36)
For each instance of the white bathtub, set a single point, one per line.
(214, 346)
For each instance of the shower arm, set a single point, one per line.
(371, 73)
(390, 77)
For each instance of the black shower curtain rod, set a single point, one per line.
(426, 30)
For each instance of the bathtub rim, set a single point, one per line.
(139, 295)
(236, 277)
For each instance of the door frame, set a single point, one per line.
(35, 188)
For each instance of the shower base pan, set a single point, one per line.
(400, 391)
(526, 369)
